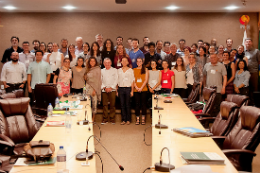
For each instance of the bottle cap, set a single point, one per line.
(61, 147)
(49, 103)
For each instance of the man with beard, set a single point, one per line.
(13, 74)
(36, 45)
(99, 39)
(159, 46)
(182, 44)
(13, 48)
(135, 53)
(64, 47)
(229, 43)
(152, 55)
(145, 48)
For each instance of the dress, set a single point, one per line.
(63, 83)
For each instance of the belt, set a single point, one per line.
(14, 83)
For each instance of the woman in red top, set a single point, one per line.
(120, 53)
(167, 78)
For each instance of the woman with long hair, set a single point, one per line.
(180, 78)
(220, 53)
(230, 67)
(43, 48)
(120, 53)
(78, 72)
(140, 89)
(186, 56)
(95, 52)
(108, 51)
(71, 55)
(93, 84)
(202, 58)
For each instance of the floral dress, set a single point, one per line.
(63, 83)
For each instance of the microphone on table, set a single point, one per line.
(83, 155)
(163, 167)
(157, 107)
(85, 121)
(159, 125)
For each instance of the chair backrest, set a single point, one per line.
(195, 93)
(246, 132)
(240, 100)
(226, 119)
(209, 95)
(17, 120)
(45, 94)
(15, 94)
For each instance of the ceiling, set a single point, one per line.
(130, 6)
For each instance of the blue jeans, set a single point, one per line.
(165, 90)
(124, 96)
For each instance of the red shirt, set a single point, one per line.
(166, 79)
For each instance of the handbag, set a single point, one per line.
(39, 150)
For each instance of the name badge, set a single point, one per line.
(213, 71)
(173, 63)
(118, 64)
(125, 78)
(27, 61)
(139, 80)
(165, 81)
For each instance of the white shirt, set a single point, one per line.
(109, 78)
(44, 58)
(77, 51)
(26, 58)
(125, 79)
(73, 62)
(55, 60)
(14, 73)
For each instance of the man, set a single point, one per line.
(152, 55)
(213, 42)
(229, 43)
(135, 53)
(253, 56)
(13, 74)
(64, 47)
(109, 79)
(129, 46)
(119, 40)
(182, 44)
(212, 49)
(200, 43)
(79, 46)
(38, 72)
(166, 47)
(215, 74)
(50, 47)
(13, 48)
(99, 39)
(232, 56)
(172, 57)
(146, 41)
(26, 56)
(159, 46)
(36, 45)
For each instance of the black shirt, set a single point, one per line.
(8, 52)
(108, 54)
(148, 57)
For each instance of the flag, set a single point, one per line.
(245, 36)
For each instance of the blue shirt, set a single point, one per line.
(39, 72)
(134, 55)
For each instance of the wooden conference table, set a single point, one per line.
(177, 115)
(73, 143)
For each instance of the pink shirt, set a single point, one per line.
(166, 79)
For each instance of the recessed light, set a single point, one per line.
(9, 7)
(232, 7)
(172, 7)
(69, 7)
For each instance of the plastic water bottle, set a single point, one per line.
(84, 92)
(57, 102)
(61, 160)
(68, 122)
(3, 89)
(49, 110)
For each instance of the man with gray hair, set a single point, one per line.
(172, 57)
(79, 46)
(109, 80)
(99, 39)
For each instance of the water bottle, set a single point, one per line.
(84, 92)
(61, 160)
(68, 122)
(49, 110)
(3, 89)
(57, 103)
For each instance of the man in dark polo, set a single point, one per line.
(13, 48)
(215, 74)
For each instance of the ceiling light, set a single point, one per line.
(172, 7)
(9, 7)
(232, 7)
(69, 7)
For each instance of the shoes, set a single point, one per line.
(137, 121)
(104, 122)
(113, 122)
(123, 123)
(128, 123)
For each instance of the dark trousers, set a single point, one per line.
(216, 105)
(189, 89)
(165, 90)
(32, 97)
(253, 86)
(180, 91)
(13, 87)
(140, 102)
(111, 98)
(124, 95)
(244, 91)
(76, 91)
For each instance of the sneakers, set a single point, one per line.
(113, 122)
(104, 122)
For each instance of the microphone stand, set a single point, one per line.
(82, 155)
(156, 107)
(163, 167)
(85, 121)
(159, 125)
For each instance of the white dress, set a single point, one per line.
(55, 60)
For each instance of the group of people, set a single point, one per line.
(108, 71)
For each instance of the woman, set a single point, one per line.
(154, 82)
(167, 81)
(71, 55)
(194, 73)
(63, 74)
(93, 84)
(202, 58)
(206, 45)
(241, 55)
(78, 80)
(50, 48)
(220, 53)
(180, 78)
(194, 48)
(108, 51)
(187, 51)
(140, 90)
(230, 67)
(55, 58)
(241, 82)
(125, 90)
(95, 52)
(43, 48)
(120, 53)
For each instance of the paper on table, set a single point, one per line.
(193, 169)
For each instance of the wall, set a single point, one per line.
(166, 26)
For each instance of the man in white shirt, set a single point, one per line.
(109, 79)
(79, 46)
(99, 40)
(159, 46)
(13, 74)
(26, 56)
